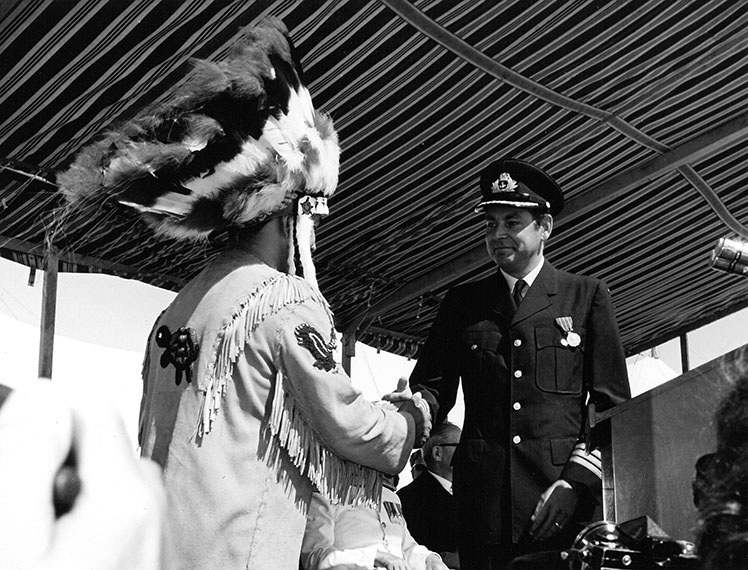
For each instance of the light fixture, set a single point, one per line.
(731, 255)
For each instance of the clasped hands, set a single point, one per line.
(406, 401)
(553, 511)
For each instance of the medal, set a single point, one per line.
(571, 339)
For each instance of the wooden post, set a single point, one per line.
(349, 351)
(49, 307)
(684, 363)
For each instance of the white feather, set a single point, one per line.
(322, 176)
(268, 199)
(253, 154)
(194, 145)
(285, 133)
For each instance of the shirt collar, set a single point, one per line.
(446, 483)
(529, 278)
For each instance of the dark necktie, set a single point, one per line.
(519, 291)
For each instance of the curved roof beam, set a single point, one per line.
(713, 200)
(464, 50)
(610, 189)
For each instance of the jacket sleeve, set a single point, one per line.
(376, 436)
(605, 363)
(435, 374)
(606, 382)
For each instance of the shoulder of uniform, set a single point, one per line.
(578, 278)
(472, 287)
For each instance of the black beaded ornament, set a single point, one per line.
(180, 349)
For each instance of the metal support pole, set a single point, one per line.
(684, 353)
(49, 307)
(349, 351)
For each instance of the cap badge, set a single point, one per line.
(505, 183)
(571, 339)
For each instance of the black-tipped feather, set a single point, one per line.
(238, 141)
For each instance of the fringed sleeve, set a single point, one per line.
(267, 299)
(337, 438)
(332, 434)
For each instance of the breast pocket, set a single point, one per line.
(558, 366)
(480, 349)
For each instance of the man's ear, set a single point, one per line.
(436, 453)
(546, 226)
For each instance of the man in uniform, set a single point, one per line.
(532, 345)
(244, 405)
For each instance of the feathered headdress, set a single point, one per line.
(238, 142)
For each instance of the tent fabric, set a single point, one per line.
(606, 96)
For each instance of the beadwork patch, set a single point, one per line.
(308, 337)
(180, 349)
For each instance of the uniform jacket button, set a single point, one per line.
(516, 405)
(518, 374)
(516, 439)
(517, 342)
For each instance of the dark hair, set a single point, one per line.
(245, 234)
(538, 214)
(723, 491)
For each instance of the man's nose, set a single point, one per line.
(498, 231)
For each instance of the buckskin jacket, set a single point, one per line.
(247, 411)
(526, 376)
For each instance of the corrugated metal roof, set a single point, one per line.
(638, 108)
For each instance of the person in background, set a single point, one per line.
(532, 346)
(721, 486)
(428, 504)
(363, 537)
(112, 520)
(244, 405)
(417, 466)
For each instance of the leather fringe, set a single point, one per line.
(267, 299)
(337, 479)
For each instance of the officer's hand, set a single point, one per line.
(401, 393)
(553, 511)
(389, 561)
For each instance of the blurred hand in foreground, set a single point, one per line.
(116, 519)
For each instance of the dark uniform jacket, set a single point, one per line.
(524, 389)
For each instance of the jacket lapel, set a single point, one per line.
(503, 306)
(539, 295)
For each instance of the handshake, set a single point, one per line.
(413, 404)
